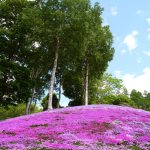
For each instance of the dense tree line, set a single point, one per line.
(106, 90)
(51, 44)
(141, 100)
(110, 90)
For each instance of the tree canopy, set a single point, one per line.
(44, 44)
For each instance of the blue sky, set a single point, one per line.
(129, 23)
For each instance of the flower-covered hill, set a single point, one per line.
(94, 127)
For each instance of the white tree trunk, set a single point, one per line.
(86, 83)
(60, 83)
(52, 80)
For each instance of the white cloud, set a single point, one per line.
(148, 20)
(131, 40)
(113, 11)
(147, 53)
(140, 82)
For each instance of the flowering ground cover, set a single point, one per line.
(94, 127)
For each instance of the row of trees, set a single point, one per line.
(106, 90)
(51, 44)
(141, 100)
(110, 90)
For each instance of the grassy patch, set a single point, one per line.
(39, 125)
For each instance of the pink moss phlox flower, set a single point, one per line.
(97, 127)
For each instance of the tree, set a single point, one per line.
(95, 50)
(24, 66)
(99, 55)
(105, 87)
(137, 98)
(52, 39)
(59, 18)
(36, 55)
(73, 87)
(13, 70)
(53, 19)
(13, 89)
(147, 100)
(141, 100)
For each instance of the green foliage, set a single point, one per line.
(72, 86)
(120, 99)
(107, 89)
(44, 102)
(13, 87)
(15, 83)
(94, 50)
(141, 100)
(110, 90)
(22, 64)
(14, 111)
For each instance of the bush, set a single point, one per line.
(14, 111)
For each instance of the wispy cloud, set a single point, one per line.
(138, 82)
(113, 11)
(131, 40)
(148, 30)
(148, 20)
(147, 53)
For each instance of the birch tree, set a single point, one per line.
(59, 21)
(95, 51)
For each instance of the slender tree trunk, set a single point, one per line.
(34, 105)
(29, 111)
(33, 96)
(60, 83)
(28, 105)
(52, 80)
(86, 75)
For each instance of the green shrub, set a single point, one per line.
(14, 111)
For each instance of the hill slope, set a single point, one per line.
(85, 127)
